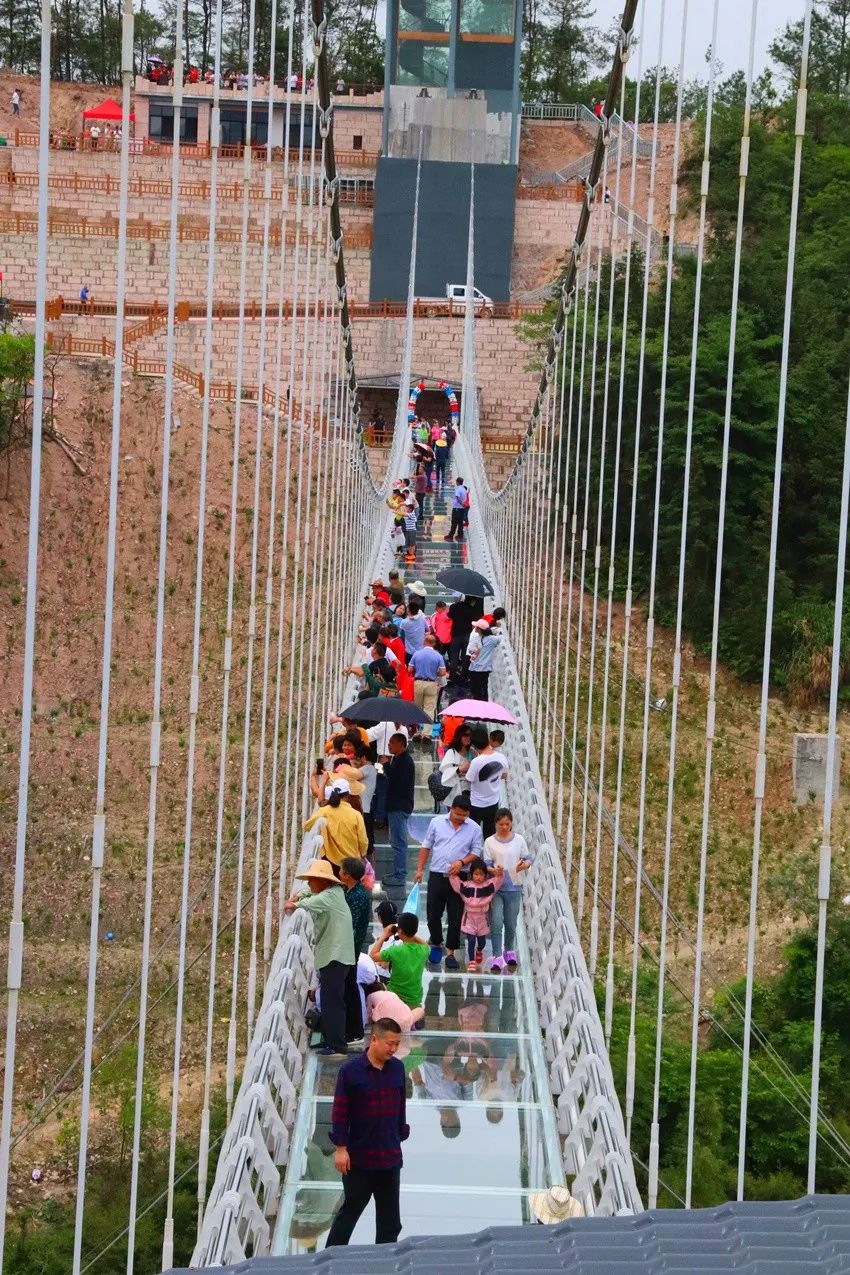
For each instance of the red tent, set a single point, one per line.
(109, 109)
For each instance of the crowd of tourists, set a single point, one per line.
(471, 861)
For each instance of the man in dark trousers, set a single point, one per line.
(462, 615)
(368, 1126)
(460, 510)
(451, 841)
(400, 771)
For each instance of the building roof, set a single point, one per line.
(752, 1238)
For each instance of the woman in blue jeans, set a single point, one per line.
(509, 851)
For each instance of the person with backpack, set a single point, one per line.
(484, 775)
(460, 510)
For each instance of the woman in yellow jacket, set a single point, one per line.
(344, 832)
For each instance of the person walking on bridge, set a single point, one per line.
(460, 510)
(451, 841)
(368, 1126)
(333, 944)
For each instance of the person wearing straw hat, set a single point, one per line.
(333, 950)
(555, 1205)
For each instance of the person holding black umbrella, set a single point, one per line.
(400, 772)
(462, 615)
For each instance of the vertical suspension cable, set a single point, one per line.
(653, 560)
(825, 863)
(569, 516)
(15, 958)
(654, 1147)
(273, 529)
(597, 549)
(194, 686)
(99, 826)
(156, 724)
(623, 53)
(297, 288)
(230, 1076)
(761, 756)
(550, 744)
(304, 690)
(624, 684)
(576, 687)
(615, 852)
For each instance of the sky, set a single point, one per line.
(733, 30)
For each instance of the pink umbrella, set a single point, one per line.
(483, 710)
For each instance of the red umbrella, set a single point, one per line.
(108, 109)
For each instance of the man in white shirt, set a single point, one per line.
(380, 736)
(484, 774)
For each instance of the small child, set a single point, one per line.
(406, 960)
(477, 894)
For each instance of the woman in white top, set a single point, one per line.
(509, 851)
(460, 750)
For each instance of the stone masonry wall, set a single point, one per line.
(73, 261)
(506, 387)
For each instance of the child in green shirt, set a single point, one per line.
(406, 960)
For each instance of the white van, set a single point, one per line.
(456, 298)
(456, 293)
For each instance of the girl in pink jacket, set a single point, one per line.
(477, 894)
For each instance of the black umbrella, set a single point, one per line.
(387, 708)
(462, 580)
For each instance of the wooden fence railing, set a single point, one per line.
(513, 310)
(59, 226)
(219, 391)
(189, 150)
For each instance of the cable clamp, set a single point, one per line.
(557, 339)
(341, 293)
(578, 250)
(625, 40)
(318, 32)
(325, 120)
(331, 191)
(336, 248)
(590, 190)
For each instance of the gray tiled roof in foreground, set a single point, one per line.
(771, 1238)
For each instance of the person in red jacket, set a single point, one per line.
(390, 637)
(441, 625)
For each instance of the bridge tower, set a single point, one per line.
(451, 93)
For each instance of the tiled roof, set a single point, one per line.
(752, 1238)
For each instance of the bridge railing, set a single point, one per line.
(595, 1150)
(255, 1147)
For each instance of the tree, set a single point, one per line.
(17, 356)
(829, 55)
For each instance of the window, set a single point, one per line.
(161, 126)
(357, 142)
(424, 15)
(423, 62)
(234, 120)
(485, 18)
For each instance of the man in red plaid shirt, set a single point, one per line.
(368, 1127)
